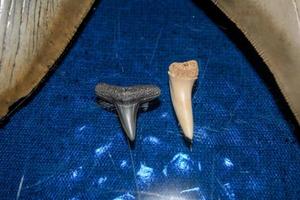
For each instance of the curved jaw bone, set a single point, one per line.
(127, 100)
(181, 80)
(33, 35)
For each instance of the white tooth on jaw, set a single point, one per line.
(182, 77)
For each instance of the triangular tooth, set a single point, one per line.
(127, 115)
(181, 82)
(127, 100)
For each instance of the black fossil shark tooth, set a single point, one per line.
(126, 100)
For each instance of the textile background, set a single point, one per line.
(62, 145)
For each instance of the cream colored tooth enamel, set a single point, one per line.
(182, 77)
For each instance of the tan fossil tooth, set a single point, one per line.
(33, 35)
(182, 77)
(273, 28)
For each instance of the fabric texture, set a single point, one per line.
(62, 145)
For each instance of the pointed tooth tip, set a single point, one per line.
(127, 115)
(131, 136)
(190, 140)
(130, 131)
(188, 134)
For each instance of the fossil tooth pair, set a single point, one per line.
(127, 100)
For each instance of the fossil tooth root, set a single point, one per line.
(182, 77)
(127, 101)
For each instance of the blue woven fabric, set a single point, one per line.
(62, 145)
